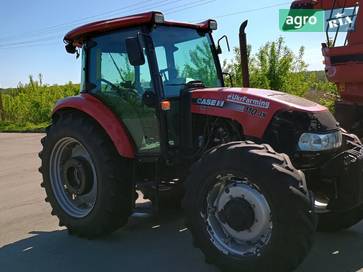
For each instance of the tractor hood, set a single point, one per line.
(253, 108)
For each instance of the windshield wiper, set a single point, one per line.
(197, 83)
(175, 84)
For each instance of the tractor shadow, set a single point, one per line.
(342, 251)
(160, 244)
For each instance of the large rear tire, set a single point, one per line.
(337, 221)
(248, 209)
(86, 181)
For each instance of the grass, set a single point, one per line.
(27, 127)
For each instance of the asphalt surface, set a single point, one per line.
(30, 239)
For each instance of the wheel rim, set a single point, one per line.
(238, 217)
(73, 177)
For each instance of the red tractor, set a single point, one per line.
(255, 168)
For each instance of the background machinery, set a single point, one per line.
(343, 58)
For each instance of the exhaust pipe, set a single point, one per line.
(244, 55)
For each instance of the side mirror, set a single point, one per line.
(135, 51)
(70, 48)
(219, 48)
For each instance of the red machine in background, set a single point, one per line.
(344, 61)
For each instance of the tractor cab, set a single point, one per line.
(139, 68)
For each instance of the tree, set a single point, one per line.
(1, 107)
(202, 65)
(234, 67)
(274, 67)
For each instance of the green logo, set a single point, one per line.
(301, 20)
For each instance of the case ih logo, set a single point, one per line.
(210, 102)
(258, 103)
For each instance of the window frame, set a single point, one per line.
(215, 55)
(89, 86)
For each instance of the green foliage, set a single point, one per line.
(126, 71)
(27, 127)
(201, 67)
(234, 67)
(30, 105)
(327, 92)
(274, 67)
(277, 67)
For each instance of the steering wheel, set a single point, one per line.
(121, 91)
(110, 84)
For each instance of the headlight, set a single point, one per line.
(320, 142)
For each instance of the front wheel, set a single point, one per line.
(248, 209)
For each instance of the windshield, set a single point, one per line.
(184, 55)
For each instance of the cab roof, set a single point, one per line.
(80, 34)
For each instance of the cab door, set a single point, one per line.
(122, 87)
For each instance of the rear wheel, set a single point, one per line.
(87, 183)
(248, 209)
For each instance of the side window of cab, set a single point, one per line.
(121, 87)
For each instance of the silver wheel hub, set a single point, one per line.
(238, 217)
(73, 177)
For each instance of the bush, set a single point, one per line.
(274, 66)
(29, 106)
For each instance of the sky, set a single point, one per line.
(31, 32)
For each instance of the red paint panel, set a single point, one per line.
(324, 4)
(237, 102)
(356, 36)
(105, 117)
(77, 35)
(329, 4)
(352, 92)
(343, 50)
(342, 73)
(347, 75)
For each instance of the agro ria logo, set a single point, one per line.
(341, 21)
(307, 20)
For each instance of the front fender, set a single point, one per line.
(93, 107)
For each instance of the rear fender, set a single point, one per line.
(93, 107)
